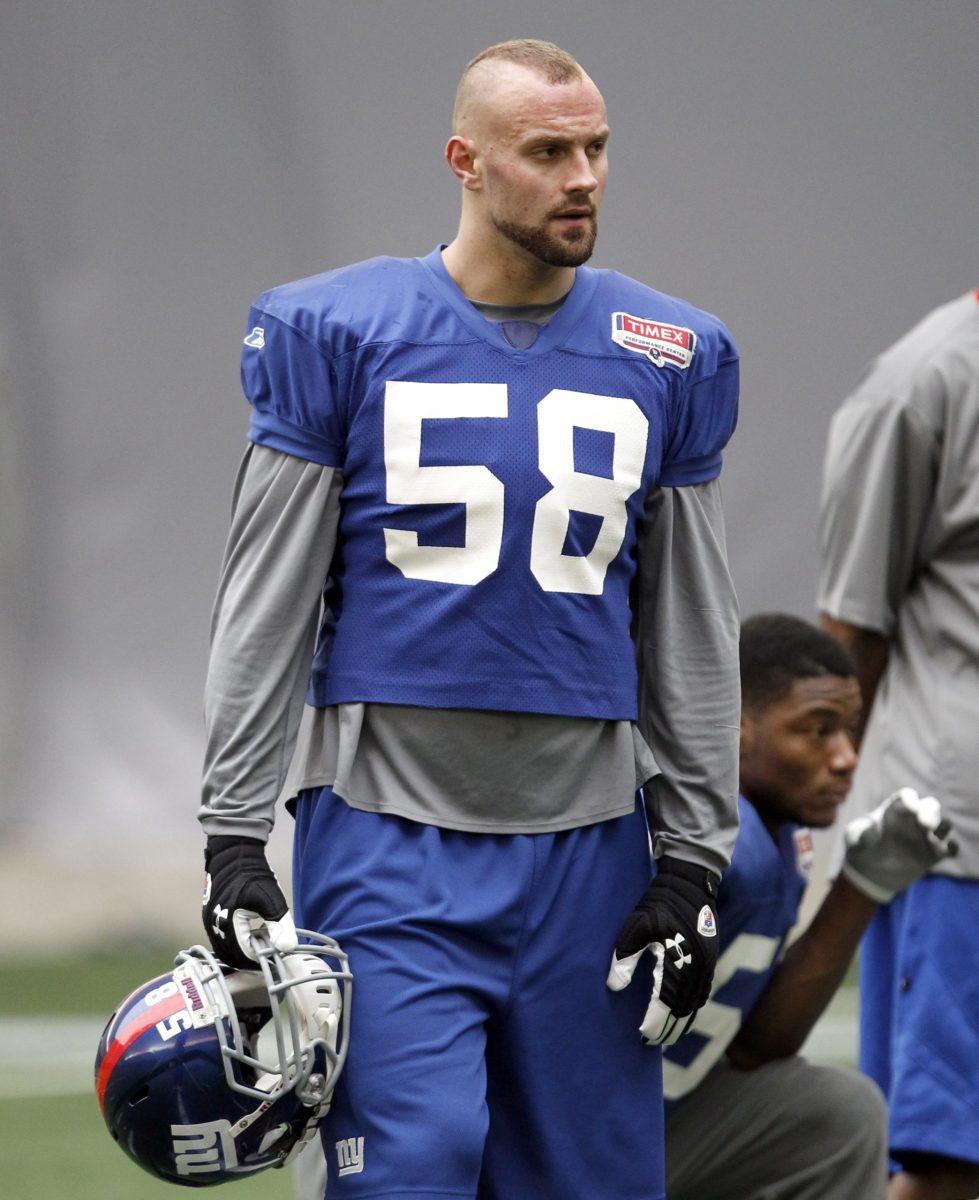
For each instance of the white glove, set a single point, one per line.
(281, 933)
(897, 843)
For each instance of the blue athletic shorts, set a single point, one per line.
(487, 1057)
(919, 1016)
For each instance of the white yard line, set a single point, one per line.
(55, 1056)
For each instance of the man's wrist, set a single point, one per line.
(216, 842)
(690, 872)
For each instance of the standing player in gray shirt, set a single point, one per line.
(899, 586)
(498, 469)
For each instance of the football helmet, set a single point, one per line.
(207, 1074)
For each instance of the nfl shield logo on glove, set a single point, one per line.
(706, 925)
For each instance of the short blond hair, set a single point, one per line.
(555, 64)
(548, 60)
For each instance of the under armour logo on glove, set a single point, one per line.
(677, 945)
(220, 915)
(674, 921)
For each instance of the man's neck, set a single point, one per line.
(771, 822)
(508, 279)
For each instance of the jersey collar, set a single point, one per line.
(552, 335)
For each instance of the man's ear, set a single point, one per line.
(460, 154)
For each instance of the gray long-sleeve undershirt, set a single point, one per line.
(469, 769)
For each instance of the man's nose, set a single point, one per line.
(843, 754)
(581, 175)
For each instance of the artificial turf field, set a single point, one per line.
(53, 1143)
(57, 1148)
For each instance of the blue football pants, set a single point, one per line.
(919, 1016)
(487, 1057)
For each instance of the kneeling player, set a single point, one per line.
(746, 1116)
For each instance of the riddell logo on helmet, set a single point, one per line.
(189, 989)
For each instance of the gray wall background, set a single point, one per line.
(805, 168)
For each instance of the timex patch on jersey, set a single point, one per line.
(805, 850)
(661, 343)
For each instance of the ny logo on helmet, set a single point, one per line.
(200, 1149)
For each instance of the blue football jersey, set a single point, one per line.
(492, 494)
(757, 906)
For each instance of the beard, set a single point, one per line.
(570, 249)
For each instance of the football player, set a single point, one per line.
(899, 586)
(746, 1115)
(485, 483)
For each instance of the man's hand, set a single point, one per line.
(241, 896)
(901, 840)
(675, 922)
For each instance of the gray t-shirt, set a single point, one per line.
(469, 769)
(899, 537)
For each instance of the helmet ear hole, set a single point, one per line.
(139, 1095)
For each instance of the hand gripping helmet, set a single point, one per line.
(208, 1074)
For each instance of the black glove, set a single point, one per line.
(675, 922)
(241, 896)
